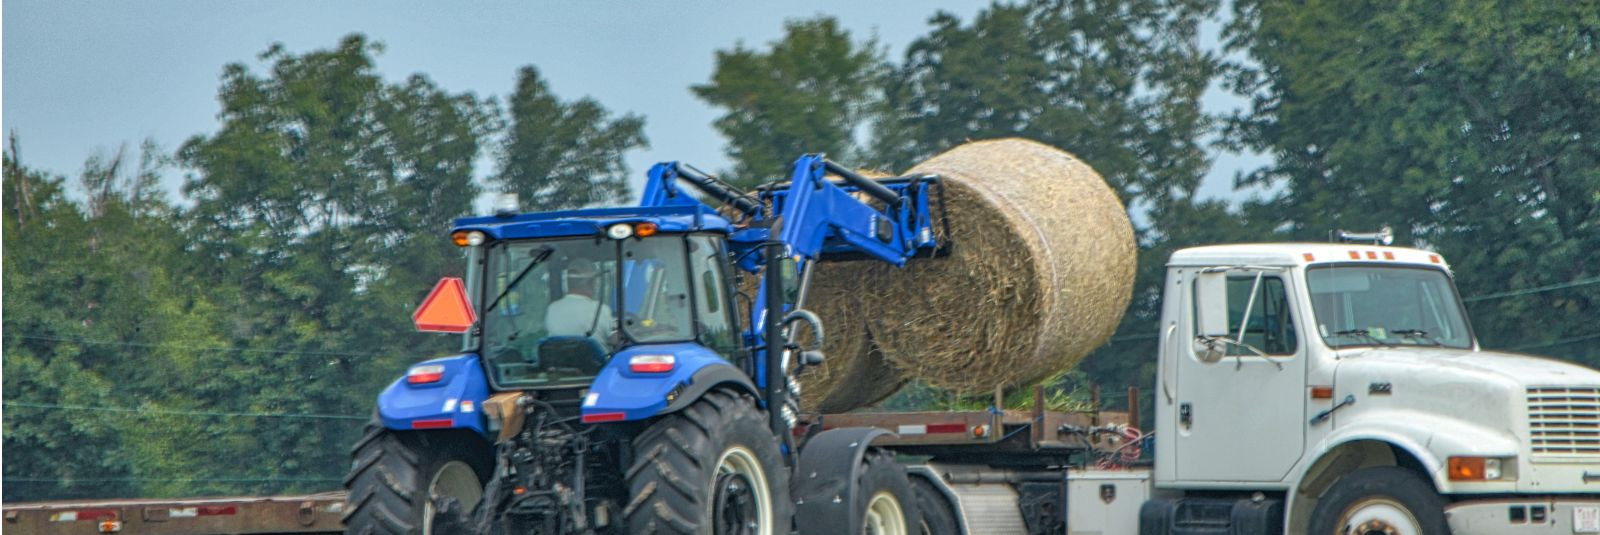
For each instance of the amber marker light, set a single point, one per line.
(645, 229)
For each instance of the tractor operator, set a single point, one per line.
(580, 312)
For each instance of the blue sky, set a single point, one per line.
(82, 76)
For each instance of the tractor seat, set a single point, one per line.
(580, 353)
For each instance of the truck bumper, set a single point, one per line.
(1542, 514)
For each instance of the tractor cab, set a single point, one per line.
(560, 294)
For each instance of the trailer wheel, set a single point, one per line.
(712, 468)
(888, 505)
(1386, 500)
(399, 478)
(938, 517)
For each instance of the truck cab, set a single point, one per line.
(1345, 381)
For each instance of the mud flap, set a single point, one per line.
(827, 478)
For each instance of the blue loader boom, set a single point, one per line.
(609, 381)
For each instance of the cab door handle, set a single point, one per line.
(1185, 414)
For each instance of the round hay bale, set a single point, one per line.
(854, 373)
(1040, 272)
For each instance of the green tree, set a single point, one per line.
(560, 155)
(808, 92)
(1468, 126)
(318, 206)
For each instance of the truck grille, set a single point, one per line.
(1564, 420)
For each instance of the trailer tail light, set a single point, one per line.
(428, 374)
(602, 417)
(651, 363)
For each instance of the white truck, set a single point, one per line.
(1329, 389)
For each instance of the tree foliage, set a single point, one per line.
(1468, 126)
(560, 155)
(808, 92)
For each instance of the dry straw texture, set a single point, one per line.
(1040, 273)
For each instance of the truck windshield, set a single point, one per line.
(1373, 305)
(564, 306)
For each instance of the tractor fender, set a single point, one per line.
(709, 377)
(827, 479)
(453, 402)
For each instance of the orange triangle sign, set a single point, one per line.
(446, 310)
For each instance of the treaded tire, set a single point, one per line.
(1392, 484)
(390, 473)
(937, 516)
(881, 473)
(671, 480)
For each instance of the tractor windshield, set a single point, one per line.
(555, 310)
(1387, 306)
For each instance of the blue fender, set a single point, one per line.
(455, 401)
(620, 394)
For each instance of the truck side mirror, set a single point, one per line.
(1211, 304)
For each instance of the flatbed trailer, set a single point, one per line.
(313, 513)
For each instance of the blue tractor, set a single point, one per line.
(614, 379)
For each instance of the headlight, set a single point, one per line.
(619, 231)
(467, 238)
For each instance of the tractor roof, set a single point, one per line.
(592, 221)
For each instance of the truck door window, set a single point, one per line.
(1270, 327)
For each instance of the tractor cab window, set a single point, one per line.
(549, 315)
(717, 328)
(656, 301)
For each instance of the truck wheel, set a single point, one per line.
(938, 518)
(399, 478)
(1386, 500)
(712, 468)
(888, 505)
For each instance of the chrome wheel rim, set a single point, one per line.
(1378, 516)
(884, 516)
(457, 480)
(739, 478)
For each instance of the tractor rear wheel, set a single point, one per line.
(399, 479)
(712, 468)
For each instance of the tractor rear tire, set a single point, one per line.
(710, 469)
(398, 478)
(888, 505)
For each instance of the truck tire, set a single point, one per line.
(398, 478)
(938, 518)
(1380, 499)
(711, 468)
(888, 505)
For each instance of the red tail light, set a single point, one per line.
(421, 375)
(651, 363)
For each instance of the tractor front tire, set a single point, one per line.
(710, 469)
(887, 502)
(399, 478)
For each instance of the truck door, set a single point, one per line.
(1242, 417)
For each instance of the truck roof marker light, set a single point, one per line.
(1388, 255)
(1355, 255)
(1372, 255)
(602, 417)
(1433, 258)
(619, 231)
(651, 363)
(426, 374)
(645, 229)
(1309, 257)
